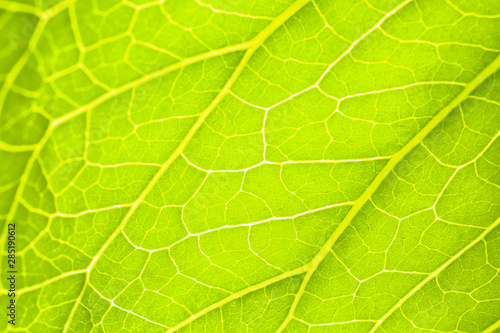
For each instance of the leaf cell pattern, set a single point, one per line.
(252, 166)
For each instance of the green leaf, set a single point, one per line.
(251, 166)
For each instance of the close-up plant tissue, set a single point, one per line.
(231, 166)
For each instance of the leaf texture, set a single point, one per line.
(252, 166)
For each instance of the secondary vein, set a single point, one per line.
(248, 54)
(433, 275)
(395, 159)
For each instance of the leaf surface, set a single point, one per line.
(252, 166)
